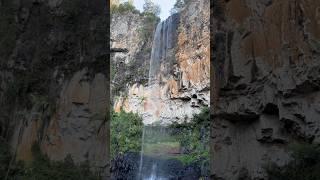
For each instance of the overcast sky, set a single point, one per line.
(165, 6)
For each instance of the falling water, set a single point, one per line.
(162, 57)
(141, 153)
(153, 173)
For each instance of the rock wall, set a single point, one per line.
(54, 79)
(132, 33)
(266, 83)
(184, 70)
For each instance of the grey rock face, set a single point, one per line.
(266, 89)
(78, 127)
(54, 77)
(133, 32)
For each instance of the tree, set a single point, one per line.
(123, 7)
(130, 2)
(126, 132)
(114, 2)
(151, 8)
(180, 4)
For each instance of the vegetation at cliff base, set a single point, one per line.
(193, 137)
(41, 168)
(187, 142)
(305, 164)
(126, 132)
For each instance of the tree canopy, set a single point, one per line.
(151, 8)
(178, 6)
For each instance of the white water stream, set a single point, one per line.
(163, 42)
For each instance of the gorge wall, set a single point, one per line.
(54, 79)
(184, 70)
(265, 93)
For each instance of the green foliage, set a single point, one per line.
(126, 132)
(123, 8)
(113, 70)
(158, 140)
(142, 99)
(179, 5)
(136, 71)
(150, 7)
(160, 148)
(41, 168)
(150, 21)
(305, 164)
(194, 137)
(190, 158)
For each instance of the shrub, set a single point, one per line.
(126, 132)
(149, 23)
(151, 8)
(194, 137)
(123, 8)
(305, 165)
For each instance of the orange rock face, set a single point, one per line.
(193, 50)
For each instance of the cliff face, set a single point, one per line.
(131, 32)
(266, 83)
(182, 69)
(54, 79)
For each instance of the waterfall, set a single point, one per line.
(163, 42)
(153, 173)
(161, 63)
(141, 152)
(162, 58)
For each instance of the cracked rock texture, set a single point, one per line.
(53, 79)
(266, 83)
(133, 33)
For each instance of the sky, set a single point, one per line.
(165, 6)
